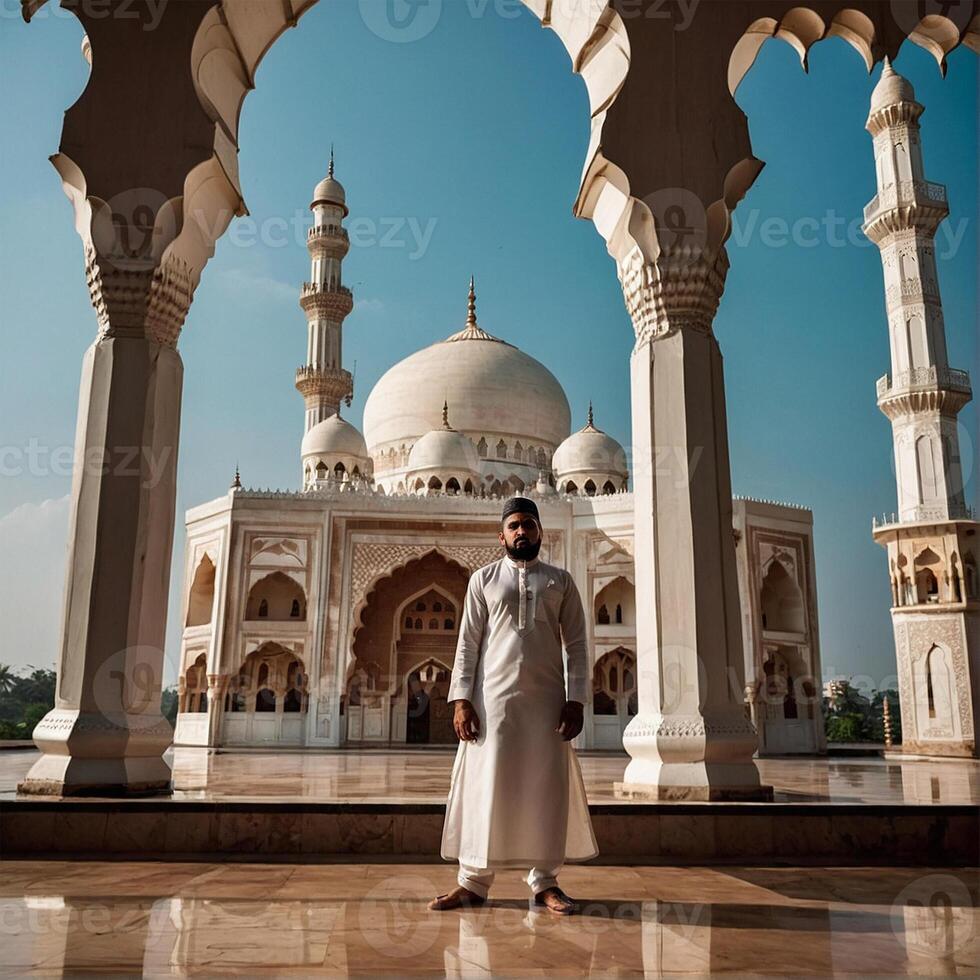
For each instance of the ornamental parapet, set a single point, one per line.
(907, 192)
(332, 239)
(922, 378)
(329, 302)
(924, 515)
(319, 382)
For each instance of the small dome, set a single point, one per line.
(891, 89)
(590, 453)
(330, 190)
(445, 450)
(334, 436)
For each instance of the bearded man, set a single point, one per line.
(517, 798)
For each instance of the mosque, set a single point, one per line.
(328, 616)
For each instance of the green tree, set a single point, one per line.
(7, 678)
(169, 704)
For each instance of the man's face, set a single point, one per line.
(521, 536)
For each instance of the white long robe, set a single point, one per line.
(517, 797)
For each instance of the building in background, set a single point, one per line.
(329, 616)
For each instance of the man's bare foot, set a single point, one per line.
(458, 898)
(555, 900)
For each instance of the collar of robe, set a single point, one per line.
(520, 562)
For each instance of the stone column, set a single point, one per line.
(691, 738)
(152, 182)
(106, 732)
(217, 688)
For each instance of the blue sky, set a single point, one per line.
(461, 152)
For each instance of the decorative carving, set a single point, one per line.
(681, 291)
(372, 561)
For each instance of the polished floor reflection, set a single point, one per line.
(405, 776)
(157, 919)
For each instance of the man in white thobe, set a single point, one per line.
(517, 798)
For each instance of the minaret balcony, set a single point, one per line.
(906, 193)
(332, 240)
(326, 301)
(324, 383)
(925, 379)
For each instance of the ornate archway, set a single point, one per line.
(644, 177)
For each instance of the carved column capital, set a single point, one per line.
(680, 290)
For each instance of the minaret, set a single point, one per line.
(322, 380)
(932, 542)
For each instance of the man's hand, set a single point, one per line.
(466, 722)
(571, 721)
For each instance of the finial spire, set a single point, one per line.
(445, 415)
(591, 415)
(330, 168)
(237, 482)
(887, 66)
(471, 305)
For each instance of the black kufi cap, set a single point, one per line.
(520, 505)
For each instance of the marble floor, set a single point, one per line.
(419, 776)
(156, 920)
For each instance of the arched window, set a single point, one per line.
(782, 601)
(408, 622)
(608, 488)
(570, 487)
(501, 449)
(200, 603)
(542, 459)
(293, 701)
(450, 624)
(481, 447)
(263, 677)
(518, 452)
(435, 483)
(418, 622)
(321, 470)
(294, 609)
(468, 487)
(273, 598)
(589, 488)
(437, 606)
(452, 485)
(265, 700)
(339, 470)
(616, 603)
(420, 606)
(355, 472)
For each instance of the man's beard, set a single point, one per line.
(525, 551)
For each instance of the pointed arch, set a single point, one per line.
(200, 601)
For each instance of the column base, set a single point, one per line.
(91, 754)
(686, 757)
(693, 794)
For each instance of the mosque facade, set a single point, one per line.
(328, 616)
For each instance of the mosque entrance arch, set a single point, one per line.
(408, 625)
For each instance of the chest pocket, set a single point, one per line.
(548, 604)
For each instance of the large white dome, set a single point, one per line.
(496, 391)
